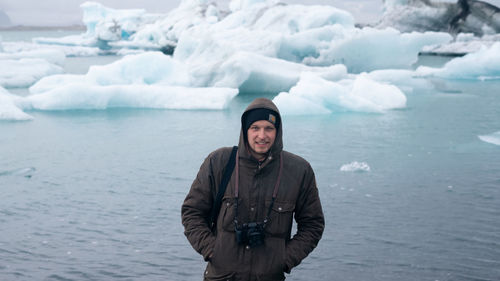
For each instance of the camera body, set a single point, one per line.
(251, 234)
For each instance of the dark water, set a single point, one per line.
(96, 195)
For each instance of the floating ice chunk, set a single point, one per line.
(25, 72)
(481, 65)
(9, 111)
(355, 167)
(147, 80)
(54, 81)
(314, 95)
(111, 24)
(146, 68)
(256, 73)
(311, 35)
(491, 138)
(189, 13)
(389, 48)
(85, 96)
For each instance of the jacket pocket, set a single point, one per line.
(280, 219)
(226, 216)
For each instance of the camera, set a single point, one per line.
(251, 234)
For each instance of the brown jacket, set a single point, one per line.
(297, 198)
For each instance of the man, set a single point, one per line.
(268, 187)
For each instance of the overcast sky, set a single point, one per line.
(68, 12)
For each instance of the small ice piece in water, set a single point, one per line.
(25, 172)
(355, 167)
(491, 138)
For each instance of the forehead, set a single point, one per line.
(262, 123)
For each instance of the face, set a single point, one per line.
(260, 137)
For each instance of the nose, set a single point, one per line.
(261, 134)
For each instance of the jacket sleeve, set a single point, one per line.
(310, 223)
(195, 211)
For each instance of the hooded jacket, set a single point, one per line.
(297, 198)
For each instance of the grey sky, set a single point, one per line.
(68, 12)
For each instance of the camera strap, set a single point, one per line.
(222, 187)
(275, 191)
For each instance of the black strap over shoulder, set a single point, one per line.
(222, 188)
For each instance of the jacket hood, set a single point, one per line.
(277, 146)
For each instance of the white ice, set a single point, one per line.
(22, 68)
(481, 65)
(25, 72)
(313, 56)
(355, 167)
(9, 109)
(85, 96)
(310, 35)
(315, 95)
(491, 138)
(148, 80)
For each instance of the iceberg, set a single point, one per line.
(108, 28)
(331, 38)
(9, 110)
(251, 73)
(389, 48)
(148, 80)
(481, 65)
(315, 95)
(85, 96)
(25, 72)
(23, 68)
(491, 138)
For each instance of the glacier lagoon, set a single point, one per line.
(96, 194)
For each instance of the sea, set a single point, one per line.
(408, 195)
